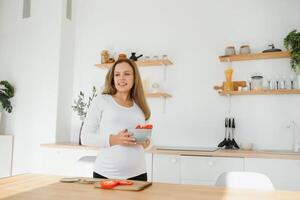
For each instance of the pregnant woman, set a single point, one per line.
(121, 105)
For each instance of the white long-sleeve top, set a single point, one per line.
(105, 117)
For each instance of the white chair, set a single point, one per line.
(244, 180)
(85, 166)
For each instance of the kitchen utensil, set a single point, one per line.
(224, 142)
(69, 180)
(141, 135)
(229, 135)
(134, 57)
(272, 49)
(235, 145)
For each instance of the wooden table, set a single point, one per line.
(45, 187)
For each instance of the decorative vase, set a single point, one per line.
(80, 133)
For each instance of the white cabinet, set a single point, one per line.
(284, 174)
(6, 152)
(205, 170)
(148, 157)
(65, 162)
(166, 168)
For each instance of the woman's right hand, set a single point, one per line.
(122, 138)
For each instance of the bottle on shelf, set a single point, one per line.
(228, 84)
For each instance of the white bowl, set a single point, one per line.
(141, 135)
(246, 146)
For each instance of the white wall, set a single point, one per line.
(29, 52)
(193, 33)
(66, 73)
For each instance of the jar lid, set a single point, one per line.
(257, 77)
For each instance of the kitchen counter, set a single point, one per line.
(275, 154)
(37, 186)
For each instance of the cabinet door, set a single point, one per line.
(166, 168)
(65, 162)
(149, 165)
(206, 170)
(283, 173)
(6, 149)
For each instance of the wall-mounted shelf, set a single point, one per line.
(158, 94)
(255, 56)
(259, 92)
(141, 63)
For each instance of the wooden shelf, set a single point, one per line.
(259, 92)
(255, 56)
(158, 94)
(141, 63)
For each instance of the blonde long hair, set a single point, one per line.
(136, 92)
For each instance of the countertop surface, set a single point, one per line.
(275, 154)
(37, 186)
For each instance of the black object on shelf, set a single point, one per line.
(273, 49)
(224, 142)
(235, 145)
(134, 57)
(229, 141)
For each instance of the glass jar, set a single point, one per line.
(257, 82)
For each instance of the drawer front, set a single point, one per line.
(208, 168)
(166, 168)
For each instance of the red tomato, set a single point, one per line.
(148, 126)
(125, 182)
(138, 127)
(108, 184)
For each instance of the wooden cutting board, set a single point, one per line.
(136, 186)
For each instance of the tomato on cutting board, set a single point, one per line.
(108, 184)
(125, 182)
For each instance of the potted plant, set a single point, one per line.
(80, 107)
(6, 92)
(292, 43)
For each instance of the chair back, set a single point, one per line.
(244, 180)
